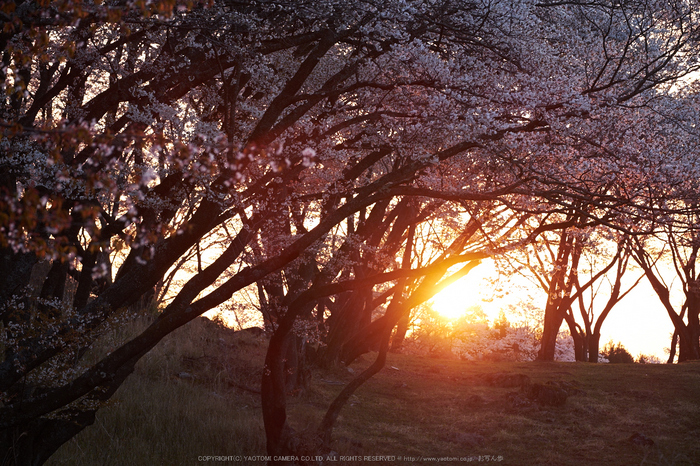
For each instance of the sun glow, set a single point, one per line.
(470, 290)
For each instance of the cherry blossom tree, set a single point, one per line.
(610, 288)
(682, 248)
(552, 263)
(148, 129)
(134, 134)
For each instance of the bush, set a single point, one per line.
(616, 353)
(648, 359)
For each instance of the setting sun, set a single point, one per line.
(468, 291)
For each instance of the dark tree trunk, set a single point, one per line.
(284, 372)
(687, 335)
(593, 347)
(673, 349)
(326, 428)
(688, 348)
(692, 347)
(553, 319)
(354, 315)
(296, 377)
(274, 401)
(32, 444)
(579, 337)
(579, 347)
(558, 294)
(400, 334)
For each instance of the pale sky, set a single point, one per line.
(639, 321)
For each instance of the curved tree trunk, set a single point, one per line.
(400, 334)
(558, 292)
(325, 430)
(32, 443)
(552, 323)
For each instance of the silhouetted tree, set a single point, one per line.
(134, 134)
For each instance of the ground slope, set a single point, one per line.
(195, 396)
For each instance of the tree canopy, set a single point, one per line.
(319, 143)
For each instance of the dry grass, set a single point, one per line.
(416, 407)
(447, 408)
(180, 403)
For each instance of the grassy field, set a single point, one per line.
(194, 396)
